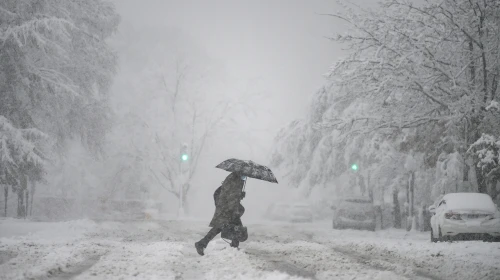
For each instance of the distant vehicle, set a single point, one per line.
(354, 213)
(278, 212)
(469, 216)
(301, 213)
(295, 212)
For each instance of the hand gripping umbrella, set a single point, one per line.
(248, 168)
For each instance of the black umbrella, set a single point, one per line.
(248, 168)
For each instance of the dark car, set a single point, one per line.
(354, 213)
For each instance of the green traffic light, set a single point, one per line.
(354, 167)
(185, 157)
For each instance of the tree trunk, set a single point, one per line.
(482, 185)
(21, 209)
(6, 194)
(410, 201)
(27, 204)
(186, 206)
(472, 66)
(465, 177)
(397, 209)
(20, 203)
(33, 186)
(361, 184)
(412, 194)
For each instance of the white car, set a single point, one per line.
(465, 216)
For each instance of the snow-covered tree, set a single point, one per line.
(430, 68)
(418, 79)
(177, 98)
(20, 157)
(56, 70)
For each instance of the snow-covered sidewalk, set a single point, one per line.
(86, 249)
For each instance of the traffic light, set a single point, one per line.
(354, 167)
(184, 152)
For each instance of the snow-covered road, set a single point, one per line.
(87, 249)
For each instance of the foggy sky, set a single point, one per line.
(279, 43)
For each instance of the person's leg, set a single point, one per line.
(210, 235)
(202, 244)
(234, 243)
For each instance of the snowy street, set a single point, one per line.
(86, 249)
(355, 139)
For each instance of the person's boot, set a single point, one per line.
(200, 247)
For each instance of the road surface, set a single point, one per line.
(165, 250)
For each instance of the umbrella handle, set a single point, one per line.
(243, 189)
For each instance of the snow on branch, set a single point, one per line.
(40, 32)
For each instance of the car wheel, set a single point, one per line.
(443, 238)
(434, 240)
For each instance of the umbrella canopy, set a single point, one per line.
(248, 168)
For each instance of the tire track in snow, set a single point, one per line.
(339, 258)
(72, 271)
(276, 262)
(385, 263)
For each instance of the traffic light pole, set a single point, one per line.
(182, 168)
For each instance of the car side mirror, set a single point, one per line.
(432, 209)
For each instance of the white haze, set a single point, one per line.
(274, 48)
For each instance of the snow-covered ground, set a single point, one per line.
(86, 249)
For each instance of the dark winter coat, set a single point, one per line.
(227, 203)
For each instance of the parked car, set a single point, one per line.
(301, 213)
(295, 212)
(354, 213)
(469, 216)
